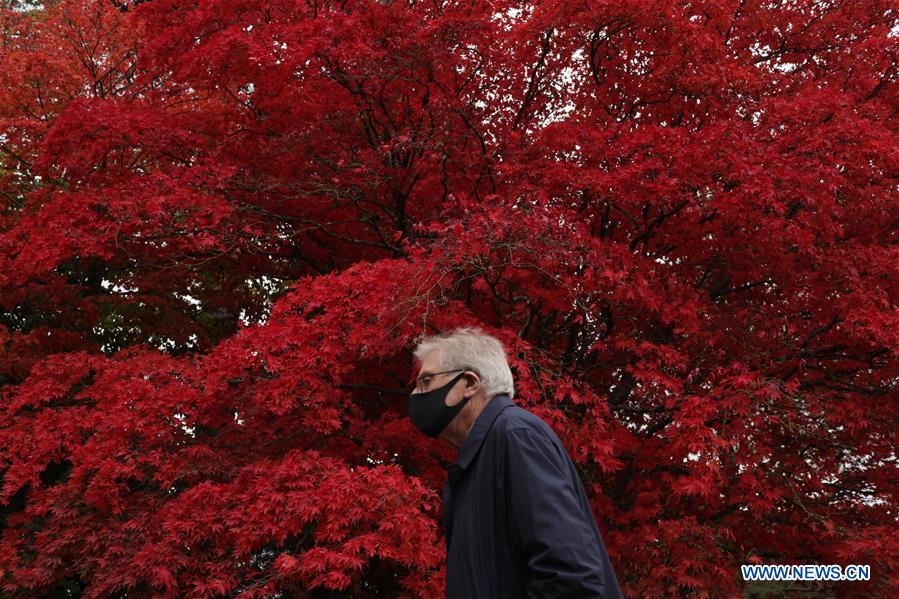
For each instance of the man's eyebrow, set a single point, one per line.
(424, 374)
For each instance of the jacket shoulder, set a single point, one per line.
(515, 417)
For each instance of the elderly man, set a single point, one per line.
(517, 519)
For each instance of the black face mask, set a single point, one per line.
(429, 411)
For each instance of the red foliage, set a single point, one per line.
(227, 222)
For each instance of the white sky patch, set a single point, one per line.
(188, 299)
(117, 287)
(190, 430)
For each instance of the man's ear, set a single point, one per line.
(472, 383)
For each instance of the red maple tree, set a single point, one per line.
(226, 223)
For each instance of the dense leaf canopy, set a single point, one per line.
(226, 223)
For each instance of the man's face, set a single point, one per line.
(428, 379)
(434, 375)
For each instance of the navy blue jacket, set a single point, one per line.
(516, 516)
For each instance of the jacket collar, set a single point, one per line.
(481, 427)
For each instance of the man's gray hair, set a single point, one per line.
(471, 348)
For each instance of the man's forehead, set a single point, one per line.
(430, 362)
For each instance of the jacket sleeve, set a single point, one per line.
(562, 550)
